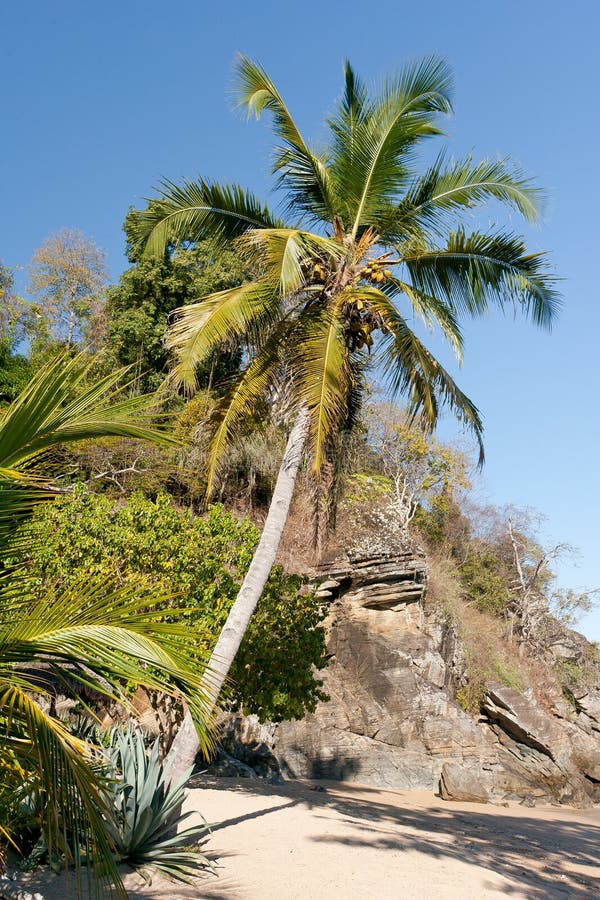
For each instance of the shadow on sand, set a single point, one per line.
(541, 858)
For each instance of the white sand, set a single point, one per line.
(295, 843)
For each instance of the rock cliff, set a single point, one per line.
(392, 719)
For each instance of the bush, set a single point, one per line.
(485, 582)
(200, 561)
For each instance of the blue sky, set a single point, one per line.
(102, 100)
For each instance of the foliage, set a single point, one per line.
(149, 811)
(250, 465)
(367, 237)
(11, 310)
(485, 581)
(93, 634)
(199, 561)
(443, 525)
(407, 470)
(482, 667)
(568, 605)
(15, 370)
(484, 653)
(67, 278)
(139, 306)
(60, 406)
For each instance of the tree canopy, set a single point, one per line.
(367, 242)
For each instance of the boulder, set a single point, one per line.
(462, 783)
(525, 721)
(589, 703)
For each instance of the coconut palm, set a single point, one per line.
(366, 242)
(92, 637)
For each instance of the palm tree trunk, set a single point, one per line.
(185, 746)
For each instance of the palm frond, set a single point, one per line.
(412, 371)
(322, 368)
(196, 210)
(304, 173)
(240, 404)
(68, 792)
(99, 634)
(60, 406)
(431, 311)
(445, 190)
(234, 315)
(369, 161)
(287, 255)
(474, 271)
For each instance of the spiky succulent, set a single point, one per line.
(145, 832)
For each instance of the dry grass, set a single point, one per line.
(489, 654)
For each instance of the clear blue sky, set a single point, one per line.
(102, 100)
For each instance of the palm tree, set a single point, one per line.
(94, 636)
(365, 243)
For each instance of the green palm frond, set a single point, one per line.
(321, 366)
(445, 190)
(304, 173)
(98, 637)
(287, 256)
(93, 631)
(474, 271)
(431, 310)
(68, 794)
(60, 406)
(377, 166)
(241, 403)
(196, 210)
(235, 315)
(412, 371)
(353, 107)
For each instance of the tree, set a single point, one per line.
(366, 238)
(95, 634)
(137, 308)
(67, 278)
(416, 468)
(15, 370)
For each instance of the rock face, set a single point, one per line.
(391, 719)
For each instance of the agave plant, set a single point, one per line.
(149, 811)
(93, 634)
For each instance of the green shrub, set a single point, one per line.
(481, 667)
(200, 561)
(484, 582)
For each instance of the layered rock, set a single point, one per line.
(392, 721)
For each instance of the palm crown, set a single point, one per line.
(365, 243)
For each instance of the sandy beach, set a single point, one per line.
(295, 842)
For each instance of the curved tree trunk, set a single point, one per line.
(185, 746)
